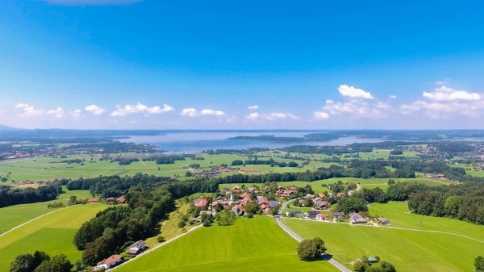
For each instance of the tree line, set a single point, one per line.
(11, 196)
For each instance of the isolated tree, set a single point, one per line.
(311, 249)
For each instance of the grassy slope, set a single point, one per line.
(410, 250)
(17, 214)
(250, 245)
(52, 233)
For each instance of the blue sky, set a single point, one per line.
(194, 64)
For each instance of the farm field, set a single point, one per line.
(411, 243)
(317, 186)
(52, 233)
(15, 215)
(254, 245)
(50, 168)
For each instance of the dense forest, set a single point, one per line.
(11, 196)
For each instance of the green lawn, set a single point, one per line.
(412, 243)
(255, 245)
(12, 216)
(52, 233)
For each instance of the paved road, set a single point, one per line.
(298, 238)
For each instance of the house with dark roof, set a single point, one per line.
(137, 248)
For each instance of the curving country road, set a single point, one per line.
(298, 238)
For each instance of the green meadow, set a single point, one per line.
(52, 233)
(256, 245)
(411, 243)
(15, 215)
(50, 168)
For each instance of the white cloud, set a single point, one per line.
(353, 92)
(189, 112)
(321, 115)
(445, 102)
(392, 97)
(253, 116)
(193, 112)
(273, 116)
(57, 112)
(211, 112)
(446, 94)
(28, 110)
(125, 110)
(253, 107)
(357, 108)
(94, 109)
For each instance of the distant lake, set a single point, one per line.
(196, 142)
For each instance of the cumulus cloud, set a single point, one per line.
(272, 116)
(189, 112)
(193, 112)
(353, 92)
(446, 94)
(446, 102)
(321, 115)
(57, 112)
(94, 109)
(91, 2)
(125, 110)
(211, 112)
(28, 110)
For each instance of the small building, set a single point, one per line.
(121, 200)
(356, 218)
(312, 214)
(201, 203)
(338, 216)
(108, 263)
(137, 248)
(320, 204)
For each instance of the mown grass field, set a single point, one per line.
(412, 243)
(15, 215)
(317, 186)
(255, 245)
(52, 233)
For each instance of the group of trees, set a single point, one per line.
(116, 227)
(40, 262)
(270, 162)
(11, 196)
(465, 202)
(373, 264)
(150, 199)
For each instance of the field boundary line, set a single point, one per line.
(298, 238)
(157, 247)
(29, 221)
(396, 228)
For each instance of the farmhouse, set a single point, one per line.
(356, 218)
(320, 204)
(108, 263)
(137, 248)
